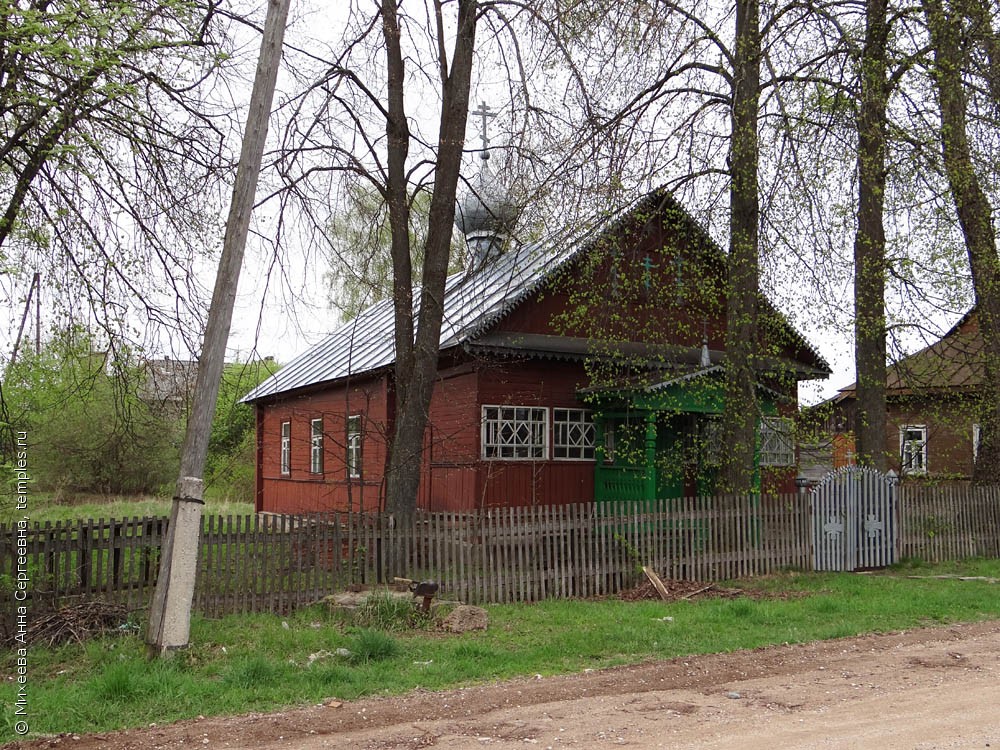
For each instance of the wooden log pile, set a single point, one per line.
(78, 623)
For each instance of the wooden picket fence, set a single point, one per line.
(940, 523)
(275, 563)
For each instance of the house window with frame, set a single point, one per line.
(572, 435)
(913, 449)
(777, 442)
(286, 448)
(515, 432)
(975, 442)
(354, 447)
(316, 446)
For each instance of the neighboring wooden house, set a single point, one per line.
(168, 385)
(932, 397)
(569, 371)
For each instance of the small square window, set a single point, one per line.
(777, 442)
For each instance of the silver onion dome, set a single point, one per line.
(486, 216)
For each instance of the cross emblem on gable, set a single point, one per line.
(647, 273)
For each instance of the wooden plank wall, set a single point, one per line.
(275, 563)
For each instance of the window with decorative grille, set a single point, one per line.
(515, 432)
(572, 435)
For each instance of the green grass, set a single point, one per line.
(262, 662)
(54, 507)
(383, 611)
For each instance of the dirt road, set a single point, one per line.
(922, 689)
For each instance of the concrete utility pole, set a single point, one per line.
(170, 611)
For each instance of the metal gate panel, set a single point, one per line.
(854, 520)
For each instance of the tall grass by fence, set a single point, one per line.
(276, 563)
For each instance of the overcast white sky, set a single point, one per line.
(282, 307)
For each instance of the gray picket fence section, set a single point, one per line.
(855, 523)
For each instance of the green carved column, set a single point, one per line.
(650, 492)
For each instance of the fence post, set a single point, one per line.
(83, 561)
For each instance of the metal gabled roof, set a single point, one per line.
(473, 302)
(694, 375)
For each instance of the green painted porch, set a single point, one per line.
(663, 441)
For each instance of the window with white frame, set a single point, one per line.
(777, 442)
(913, 449)
(354, 447)
(316, 446)
(572, 435)
(286, 447)
(515, 432)
(975, 442)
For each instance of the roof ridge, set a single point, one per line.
(473, 302)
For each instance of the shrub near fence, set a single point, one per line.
(274, 563)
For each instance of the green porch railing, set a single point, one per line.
(620, 483)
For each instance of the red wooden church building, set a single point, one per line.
(570, 371)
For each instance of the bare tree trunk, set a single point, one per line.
(170, 611)
(869, 245)
(741, 415)
(975, 218)
(417, 351)
(398, 133)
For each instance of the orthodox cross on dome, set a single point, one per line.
(485, 113)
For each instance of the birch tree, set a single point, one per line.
(111, 154)
(109, 145)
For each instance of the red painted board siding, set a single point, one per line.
(539, 483)
(301, 490)
(532, 383)
(454, 420)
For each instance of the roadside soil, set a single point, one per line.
(918, 690)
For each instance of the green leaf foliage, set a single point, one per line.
(90, 426)
(230, 463)
(360, 272)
